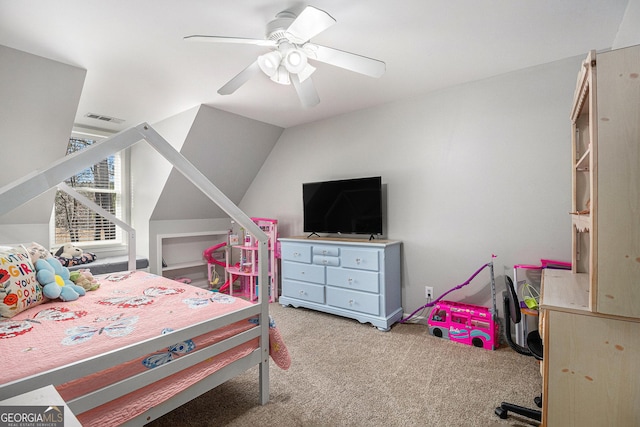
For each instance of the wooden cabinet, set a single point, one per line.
(348, 277)
(591, 370)
(606, 180)
(590, 316)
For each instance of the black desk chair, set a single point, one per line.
(533, 348)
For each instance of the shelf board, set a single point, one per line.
(237, 271)
(248, 248)
(566, 291)
(181, 265)
(193, 234)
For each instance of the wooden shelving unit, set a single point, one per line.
(590, 316)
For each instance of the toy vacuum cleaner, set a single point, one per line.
(464, 323)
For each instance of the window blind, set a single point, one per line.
(100, 183)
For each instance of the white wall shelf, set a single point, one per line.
(180, 254)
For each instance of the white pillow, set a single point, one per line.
(19, 288)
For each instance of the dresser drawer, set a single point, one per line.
(362, 259)
(326, 260)
(353, 279)
(353, 300)
(295, 252)
(326, 250)
(304, 272)
(303, 291)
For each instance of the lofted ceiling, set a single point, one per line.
(140, 69)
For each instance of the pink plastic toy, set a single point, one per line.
(212, 262)
(246, 270)
(464, 323)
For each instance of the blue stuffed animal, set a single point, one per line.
(55, 281)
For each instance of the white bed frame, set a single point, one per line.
(34, 184)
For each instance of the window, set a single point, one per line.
(101, 183)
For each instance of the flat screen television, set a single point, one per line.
(347, 206)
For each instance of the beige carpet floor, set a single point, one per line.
(345, 373)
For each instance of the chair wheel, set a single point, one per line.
(538, 401)
(501, 413)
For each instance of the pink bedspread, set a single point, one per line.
(128, 308)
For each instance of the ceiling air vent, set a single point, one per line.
(104, 118)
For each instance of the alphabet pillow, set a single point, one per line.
(19, 288)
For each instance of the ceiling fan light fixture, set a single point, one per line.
(269, 62)
(281, 76)
(289, 38)
(295, 60)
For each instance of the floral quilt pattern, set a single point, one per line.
(127, 308)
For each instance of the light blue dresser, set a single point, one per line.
(359, 279)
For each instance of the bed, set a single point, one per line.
(129, 360)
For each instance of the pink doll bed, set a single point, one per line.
(127, 309)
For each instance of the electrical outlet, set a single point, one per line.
(428, 292)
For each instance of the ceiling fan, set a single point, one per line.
(289, 36)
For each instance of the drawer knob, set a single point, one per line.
(301, 292)
(358, 260)
(324, 261)
(350, 280)
(351, 302)
(296, 254)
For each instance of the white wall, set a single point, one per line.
(38, 102)
(227, 148)
(149, 174)
(471, 171)
(629, 31)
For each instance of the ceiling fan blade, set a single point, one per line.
(306, 91)
(240, 79)
(349, 61)
(235, 40)
(311, 22)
